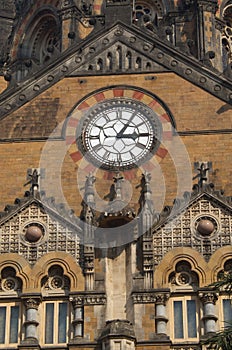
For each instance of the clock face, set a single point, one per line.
(119, 133)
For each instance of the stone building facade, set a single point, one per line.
(115, 182)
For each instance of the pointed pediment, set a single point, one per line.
(118, 57)
(33, 228)
(102, 51)
(202, 221)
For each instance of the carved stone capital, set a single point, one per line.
(208, 297)
(77, 301)
(162, 298)
(32, 303)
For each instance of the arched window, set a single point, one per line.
(227, 36)
(10, 308)
(147, 11)
(43, 37)
(225, 312)
(55, 309)
(183, 304)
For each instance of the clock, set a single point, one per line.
(119, 134)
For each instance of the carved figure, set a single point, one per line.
(202, 174)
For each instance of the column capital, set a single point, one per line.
(32, 302)
(162, 298)
(208, 297)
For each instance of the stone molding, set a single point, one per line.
(88, 299)
(150, 297)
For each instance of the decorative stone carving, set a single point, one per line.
(32, 303)
(208, 297)
(183, 229)
(9, 284)
(53, 231)
(150, 297)
(88, 299)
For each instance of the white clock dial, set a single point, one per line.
(119, 134)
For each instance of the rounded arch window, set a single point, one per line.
(227, 269)
(9, 282)
(147, 11)
(43, 37)
(56, 280)
(183, 277)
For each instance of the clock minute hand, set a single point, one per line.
(125, 126)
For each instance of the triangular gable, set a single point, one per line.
(202, 222)
(148, 46)
(33, 229)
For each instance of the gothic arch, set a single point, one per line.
(196, 261)
(42, 36)
(66, 261)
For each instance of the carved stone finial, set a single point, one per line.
(33, 180)
(88, 203)
(203, 169)
(89, 190)
(118, 179)
(145, 194)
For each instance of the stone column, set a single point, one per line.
(77, 303)
(160, 314)
(31, 322)
(209, 300)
